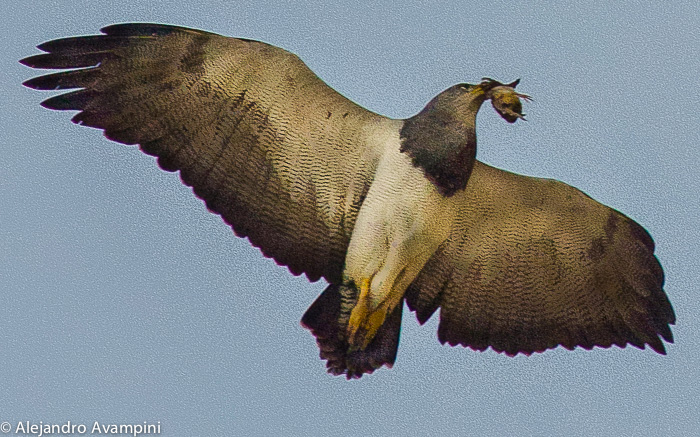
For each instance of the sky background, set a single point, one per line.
(123, 300)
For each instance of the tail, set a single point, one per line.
(327, 319)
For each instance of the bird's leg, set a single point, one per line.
(360, 313)
(381, 292)
(368, 316)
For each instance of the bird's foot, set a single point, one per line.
(366, 318)
(363, 328)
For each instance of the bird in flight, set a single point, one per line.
(387, 211)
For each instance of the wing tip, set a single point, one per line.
(33, 83)
(34, 61)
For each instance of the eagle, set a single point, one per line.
(387, 211)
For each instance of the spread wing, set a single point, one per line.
(282, 157)
(535, 263)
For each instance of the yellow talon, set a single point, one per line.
(360, 311)
(364, 287)
(374, 322)
(364, 322)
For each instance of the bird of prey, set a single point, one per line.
(387, 211)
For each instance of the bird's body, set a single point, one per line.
(387, 211)
(402, 222)
(403, 217)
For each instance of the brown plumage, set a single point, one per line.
(385, 210)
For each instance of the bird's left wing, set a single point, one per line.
(280, 155)
(534, 263)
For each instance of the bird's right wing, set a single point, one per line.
(280, 155)
(534, 263)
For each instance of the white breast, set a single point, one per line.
(400, 224)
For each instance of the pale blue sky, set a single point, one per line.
(123, 300)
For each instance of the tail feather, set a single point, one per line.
(327, 319)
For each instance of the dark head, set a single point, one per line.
(441, 139)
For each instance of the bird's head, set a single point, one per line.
(504, 98)
(466, 99)
(441, 139)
